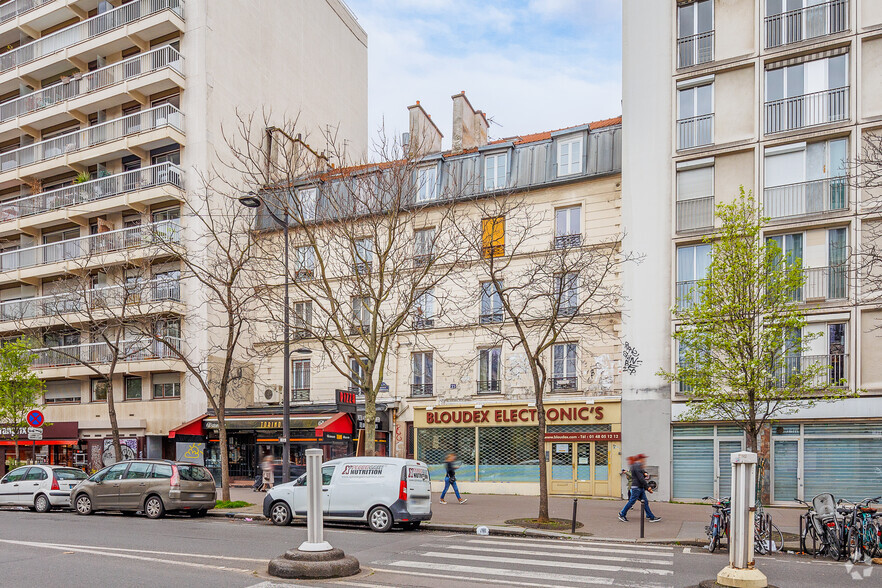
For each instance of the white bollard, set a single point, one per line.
(741, 570)
(314, 515)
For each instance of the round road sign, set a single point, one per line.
(35, 418)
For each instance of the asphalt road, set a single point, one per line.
(63, 549)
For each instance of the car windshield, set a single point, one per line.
(194, 473)
(70, 474)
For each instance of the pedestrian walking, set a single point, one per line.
(450, 479)
(266, 467)
(639, 487)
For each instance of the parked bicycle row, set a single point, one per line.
(767, 538)
(841, 529)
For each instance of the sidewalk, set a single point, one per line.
(680, 522)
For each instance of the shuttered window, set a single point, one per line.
(693, 468)
(493, 236)
(61, 391)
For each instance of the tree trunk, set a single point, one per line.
(16, 449)
(224, 453)
(114, 425)
(543, 466)
(370, 425)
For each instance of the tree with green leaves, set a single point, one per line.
(21, 390)
(742, 342)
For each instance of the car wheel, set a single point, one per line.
(412, 525)
(42, 504)
(380, 519)
(83, 504)
(280, 513)
(153, 508)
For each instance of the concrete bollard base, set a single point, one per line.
(313, 565)
(730, 577)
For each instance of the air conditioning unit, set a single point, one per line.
(268, 394)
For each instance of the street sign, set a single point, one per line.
(35, 418)
(35, 434)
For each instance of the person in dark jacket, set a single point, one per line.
(450, 479)
(639, 486)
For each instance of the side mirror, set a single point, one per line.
(3, 481)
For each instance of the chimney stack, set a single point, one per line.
(423, 136)
(469, 125)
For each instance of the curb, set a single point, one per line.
(236, 515)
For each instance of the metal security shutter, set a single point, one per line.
(844, 459)
(62, 391)
(726, 449)
(693, 468)
(785, 460)
(433, 446)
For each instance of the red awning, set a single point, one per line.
(25, 443)
(193, 427)
(339, 423)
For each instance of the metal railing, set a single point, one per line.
(807, 110)
(87, 29)
(419, 390)
(78, 301)
(805, 198)
(564, 383)
(824, 283)
(300, 395)
(95, 353)
(83, 84)
(695, 131)
(13, 9)
(695, 213)
(688, 294)
(139, 236)
(112, 130)
(834, 374)
(489, 386)
(567, 241)
(99, 189)
(695, 49)
(809, 22)
(491, 317)
(423, 322)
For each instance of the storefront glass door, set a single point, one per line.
(580, 468)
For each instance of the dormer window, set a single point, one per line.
(495, 170)
(427, 184)
(569, 156)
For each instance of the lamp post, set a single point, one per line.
(252, 200)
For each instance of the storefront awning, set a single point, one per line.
(61, 433)
(336, 428)
(193, 427)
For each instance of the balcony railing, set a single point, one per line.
(87, 29)
(491, 317)
(688, 294)
(696, 213)
(564, 383)
(13, 9)
(112, 130)
(96, 353)
(695, 131)
(300, 395)
(806, 198)
(807, 110)
(823, 283)
(809, 22)
(421, 390)
(695, 49)
(140, 236)
(489, 386)
(833, 373)
(423, 322)
(567, 241)
(106, 187)
(93, 81)
(80, 301)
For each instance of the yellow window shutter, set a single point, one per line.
(493, 236)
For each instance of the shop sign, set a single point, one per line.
(336, 436)
(247, 424)
(346, 401)
(601, 436)
(514, 415)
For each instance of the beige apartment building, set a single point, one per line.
(776, 96)
(109, 113)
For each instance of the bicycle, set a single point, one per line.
(812, 532)
(766, 538)
(719, 524)
(862, 531)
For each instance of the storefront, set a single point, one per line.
(497, 446)
(58, 446)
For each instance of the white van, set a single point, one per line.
(381, 491)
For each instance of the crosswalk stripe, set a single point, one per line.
(507, 572)
(471, 579)
(561, 564)
(518, 551)
(558, 545)
(586, 542)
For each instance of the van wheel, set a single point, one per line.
(41, 504)
(280, 514)
(412, 525)
(83, 504)
(153, 508)
(380, 519)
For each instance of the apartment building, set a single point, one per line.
(109, 113)
(777, 96)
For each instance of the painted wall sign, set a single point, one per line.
(513, 415)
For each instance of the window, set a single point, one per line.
(489, 370)
(491, 304)
(568, 227)
(805, 178)
(695, 195)
(695, 33)
(837, 260)
(806, 94)
(138, 471)
(427, 185)
(493, 236)
(563, 360)
(133, 388)
(695, 119)
(423, 246)
(494, 171)
(161, 470)
(692, 264)
(363, 255)
(424, 310)
(303, 318)
(791, 21)
(166, 386)
(569, 157)
(327, 474)
(361, 315)
(36, 474)
(301, 382)
(421, 363)
(99, 390)
(167, 157)
(566, 290)
(304, 262)
(167, 285)
(62, 391)
(307, 199)
(357, 374)
(115, 472)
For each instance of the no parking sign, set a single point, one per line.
(35, 418)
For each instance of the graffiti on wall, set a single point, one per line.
(129, 448)
(630, 359)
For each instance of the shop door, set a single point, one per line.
(563, 470)
(580, 468)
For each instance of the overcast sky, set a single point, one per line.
(531, 65)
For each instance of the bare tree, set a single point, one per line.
(865, 174)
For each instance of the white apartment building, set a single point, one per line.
(777, 96)
(109, 112)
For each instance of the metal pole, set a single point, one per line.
(575, 502)
(642, 514)
(286, 378)
(314, 518)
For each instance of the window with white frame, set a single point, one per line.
(304, 262)
(806, 94)
(564, 367)
(422, 369)
(695, 114)
(301, 372)
(491, 304)
(490, 370)
(427, 183)
(303, 318)
(569, 156)
(566, 291)
(361, 314)
(693, 262)
(695, 33)
(495, 170)
(357, 373)
(568, 227)
(424, 309)
(306, 203)
(423, 245)
(805, 178)
(695, 195)
(363, 255)
(166, 385)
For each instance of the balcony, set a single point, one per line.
(567, 309)
(567, 241)
(423, 260)
(695, 214)
(12, 10)
(157, 290)
(823, 283)
(688, 294)
(68, 148)
(423, 322)
(98, 353)
(93, 190)
(807, 110)
(489, 386)
(810, 22)
(85, 92)
(564, 384)
(83, 247)
(491, 317)
(300, 395)
(695, 131)
(421, 390)
(833, 373)
(695, 49)
(805, 198)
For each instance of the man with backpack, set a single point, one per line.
(639, 486)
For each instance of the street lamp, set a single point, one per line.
(253, 200)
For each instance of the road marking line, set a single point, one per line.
(126, 556)
(508, 572)
(562, 564)
(635, 560)
(585, 542)
(174, 553)
(557, 545)
(687, 550)
(465, 578)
